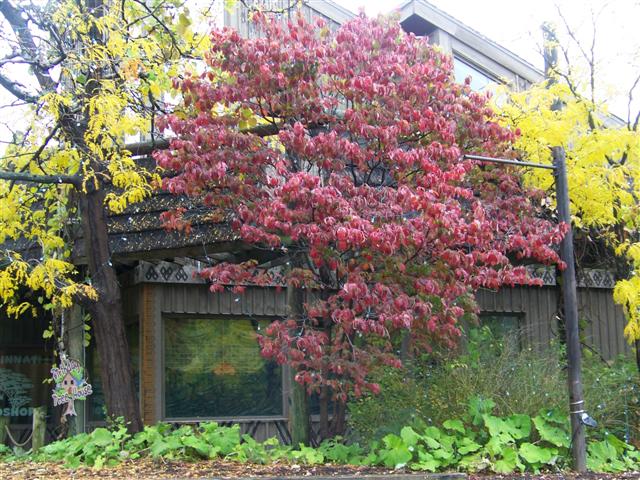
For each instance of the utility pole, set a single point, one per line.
(570, 307)
(568, 284)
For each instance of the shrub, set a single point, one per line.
(519, 380)
(478, 440)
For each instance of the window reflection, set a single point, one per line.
(480, 81)
(213, 368)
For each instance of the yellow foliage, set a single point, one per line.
(106, 85)
(603, 162)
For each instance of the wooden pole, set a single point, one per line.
(570, 303)
(569, 293)
(39, 428)
(4, 423)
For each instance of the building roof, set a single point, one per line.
(432, 15)
(330, 9)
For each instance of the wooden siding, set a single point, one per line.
(197, 299)
(601, 320)
(602, 324)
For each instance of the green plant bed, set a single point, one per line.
(477, 441)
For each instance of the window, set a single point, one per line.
(480, 81)
(504, 330)
(25, 364)
(213, 368)
(501, 324)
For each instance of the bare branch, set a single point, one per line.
(145, 148)
(49, 179)
(633, 126)
(29, 49)
(16, 89)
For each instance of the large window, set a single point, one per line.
(25, 363)
(480, 81)
(213, 368)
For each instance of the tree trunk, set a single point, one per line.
(116, 371)
(298, 405)
(324, 412)
(339, 422)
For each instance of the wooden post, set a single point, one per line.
(39, 428)
(570, 301)
(4, 423)
(298, 405)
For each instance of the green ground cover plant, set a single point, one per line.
(479, 440)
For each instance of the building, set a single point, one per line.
(195, 353)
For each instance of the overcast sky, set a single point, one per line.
(515, 24)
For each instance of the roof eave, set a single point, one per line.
(474, 39)
(332, 10)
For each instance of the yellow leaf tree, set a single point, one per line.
(603, 158)
(80, 78)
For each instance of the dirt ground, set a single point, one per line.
(161, 470)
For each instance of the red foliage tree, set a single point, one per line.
(341, 152)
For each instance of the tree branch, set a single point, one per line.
(145, 148)
(632, 125)
(27, 43)
(15, 89)
(74, 180)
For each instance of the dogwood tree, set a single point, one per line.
(338, 157)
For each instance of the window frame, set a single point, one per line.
(239, 418)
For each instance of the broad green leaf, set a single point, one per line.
(534, 454)
(603, 457)
(466, 445)
(409, 436)
(551, 433)
(101, 437)
(426, 462)
(455, 425)
(519, 426)
(508, 462)
(618, 444)
(397, 453)
(198, 444)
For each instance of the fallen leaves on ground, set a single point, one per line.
(147, 469)
(166, 469)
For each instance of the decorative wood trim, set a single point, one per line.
(166, 272)
(587, 277)
(544, 273)
(596, 278)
